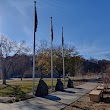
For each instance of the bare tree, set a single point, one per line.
(9, 48)
(21, 64)
(106, 76)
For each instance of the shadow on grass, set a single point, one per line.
(6, 86)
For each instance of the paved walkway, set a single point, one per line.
(54, 101)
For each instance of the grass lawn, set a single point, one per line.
(25, 85)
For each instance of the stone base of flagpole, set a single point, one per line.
(31, 94)
(52, 90)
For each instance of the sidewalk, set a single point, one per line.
(54, 101)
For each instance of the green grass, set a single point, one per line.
(25, 85)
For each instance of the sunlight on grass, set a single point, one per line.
(25, 85)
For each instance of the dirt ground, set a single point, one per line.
(84, 103)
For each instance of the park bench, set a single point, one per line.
(102, 88)
(95, 95)
(105, 86)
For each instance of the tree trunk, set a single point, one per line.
(4, 76)
(21, 78)
(4, 81)
(21, 75)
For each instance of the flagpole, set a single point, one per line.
(63, 57)
(51, 54)
(34, 50)
(33, 66)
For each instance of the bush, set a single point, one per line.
(18, 93)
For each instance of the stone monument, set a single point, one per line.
(42, 89)
(70, 83)
(59, 85)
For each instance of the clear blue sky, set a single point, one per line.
(86, 23)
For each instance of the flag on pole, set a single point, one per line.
(63, 56)
(62, 38)
(35, 29)
(36, 20)
(51, 54)
(51, 30)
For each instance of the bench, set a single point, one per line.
(105, 86)
(102, 88)
(95, 95)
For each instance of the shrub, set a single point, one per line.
(18, 93)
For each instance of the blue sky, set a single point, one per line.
(86, 23)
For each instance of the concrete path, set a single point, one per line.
(54, 101)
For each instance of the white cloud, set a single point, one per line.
(100, 52)
(91, 48)
(87, 47)
(28, 31)
(20, 6)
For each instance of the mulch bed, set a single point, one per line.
(84, 103)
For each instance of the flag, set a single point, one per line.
(51, 30)
(62, 38)
(36, 20)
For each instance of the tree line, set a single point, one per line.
(16, 60)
